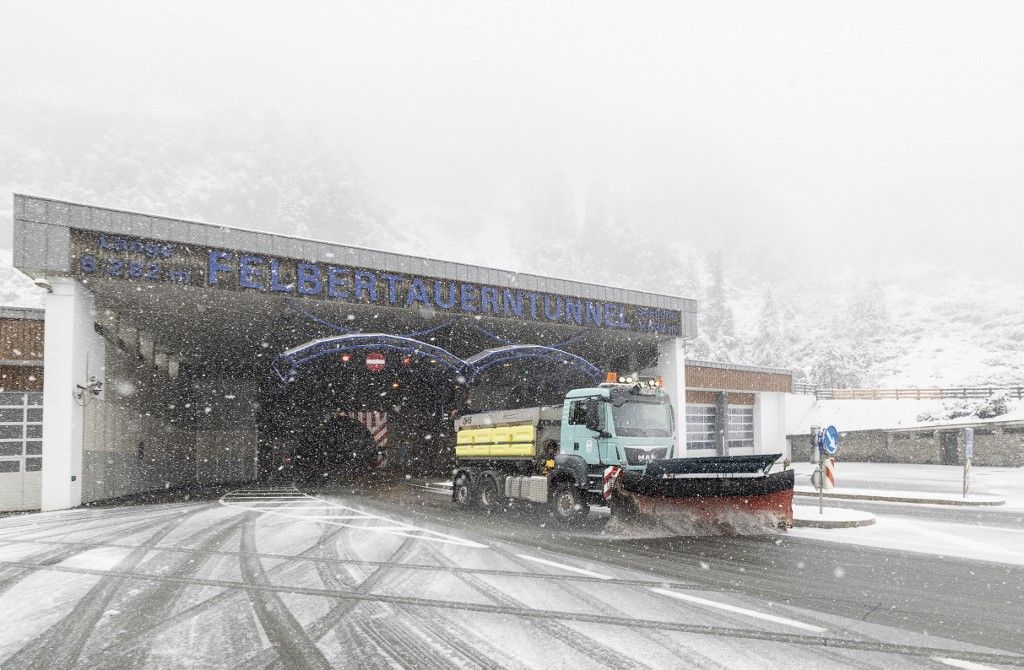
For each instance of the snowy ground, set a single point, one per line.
(275, 577)
(1006, 483)
(985, 534)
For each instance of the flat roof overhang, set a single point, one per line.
(219, 324)
(42, 246)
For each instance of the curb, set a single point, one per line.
(812, 522)
(881, 497)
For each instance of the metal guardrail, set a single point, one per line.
(907, 393)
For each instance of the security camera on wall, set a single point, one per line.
(43, 283)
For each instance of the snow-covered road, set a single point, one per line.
(276, 577)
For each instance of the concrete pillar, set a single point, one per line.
(770, 424)
(672, 369)
(722, 423)
(69, 322)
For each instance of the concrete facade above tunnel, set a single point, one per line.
(49, 236)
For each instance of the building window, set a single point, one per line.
(741, 427)
(700, 426)
(21, 430)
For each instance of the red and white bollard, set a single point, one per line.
(829, 470)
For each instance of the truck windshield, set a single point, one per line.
(643, 419)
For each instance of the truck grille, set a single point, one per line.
(642, 455)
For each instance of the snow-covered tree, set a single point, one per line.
(769, 346)
(837, 365)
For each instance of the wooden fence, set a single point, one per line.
(908, 393)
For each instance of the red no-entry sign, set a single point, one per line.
(375, 361)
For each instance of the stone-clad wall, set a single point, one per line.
(995, 443)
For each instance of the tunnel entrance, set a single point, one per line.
(225, 352)
(377, 404)
(338, 448)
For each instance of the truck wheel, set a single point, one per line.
(567, 504)
(462, 491)
(488, 494)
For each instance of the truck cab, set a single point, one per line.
(616, 425)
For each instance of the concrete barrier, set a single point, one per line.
(996, 443)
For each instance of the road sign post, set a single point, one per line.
(821, 487)
(828, 444)
(968, 455)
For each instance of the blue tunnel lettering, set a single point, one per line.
(574, 310)
(308, 279)
(366, 284)
(250, 272)
(533, 304)
(337, 280)
(513, 302)
(449, 302)
(216, 264)
(488, 300)
(552, 315)
(467, 296)
(392, 287)
(417, 293)
(275, 278)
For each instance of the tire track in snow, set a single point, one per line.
(294, 647)
(422, 567)
(452, 636)
(10, 576)
(817, 641)
(61, 645)
(685, 654)
(585, 645)
(224, 598)
(408, 636)
(340, 609)
(141, 610)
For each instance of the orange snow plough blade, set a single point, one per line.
(717, 494)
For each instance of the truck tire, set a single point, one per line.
(567, 504)
(488, 496)
(463, 492)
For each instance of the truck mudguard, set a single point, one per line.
(572, 464)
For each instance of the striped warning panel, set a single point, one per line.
(375, 422)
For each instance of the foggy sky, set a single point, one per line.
(865, 133)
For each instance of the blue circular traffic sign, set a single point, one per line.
(829, 440)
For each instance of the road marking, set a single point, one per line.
(562, 566)
(252, 497)
(285, 506)
(292, 507)
(957, 663)
(740, 610)
(340, 516)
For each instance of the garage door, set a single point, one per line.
(21, 450)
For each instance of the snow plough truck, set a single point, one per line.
(612, 445)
